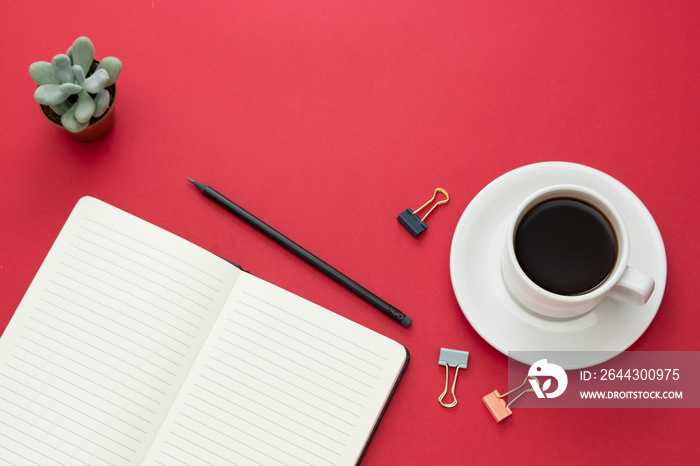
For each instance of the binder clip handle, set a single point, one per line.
(452, 392)
(444, 201)
(529, 377)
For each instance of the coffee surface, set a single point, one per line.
(566, 246)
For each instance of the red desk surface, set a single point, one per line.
(329, 118)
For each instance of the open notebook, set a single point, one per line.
(134, 346)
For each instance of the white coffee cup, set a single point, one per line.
(622, 282)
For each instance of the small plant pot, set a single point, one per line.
(98, 127)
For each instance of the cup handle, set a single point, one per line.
(634, 287)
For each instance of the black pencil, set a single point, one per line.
(341, 278)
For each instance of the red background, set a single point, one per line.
(327, 119)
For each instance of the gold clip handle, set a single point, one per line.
(444, 201)
(447, 383)
(529, 377)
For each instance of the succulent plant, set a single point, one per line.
(71, 87)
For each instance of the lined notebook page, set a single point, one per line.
(103, 339)
(280, 381)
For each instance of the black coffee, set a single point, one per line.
(565, 246)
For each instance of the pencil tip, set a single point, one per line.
(199, 186)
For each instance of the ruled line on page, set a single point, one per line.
(81, 347)
(304, 335)
(121, 307)
(130, 329)
(84, 382)
(328, 404)
(319, 331)
(151, 247)
(133, 290)
(121, 348)
(261, 451)
(131, 255)
(240, 339)
(77, 430)
(28, 448)
(89, 370)
(280, 332)
(179, 459)
(255, 408)
(271, 389)
(200, 436)
(143, 282)
(22, 421)
(146, 268)
(85, 394)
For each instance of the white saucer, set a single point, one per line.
(475, 269)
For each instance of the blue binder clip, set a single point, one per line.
(416, 225)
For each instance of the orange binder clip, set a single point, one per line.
(497, 406)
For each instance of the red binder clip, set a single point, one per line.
(497, 406)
